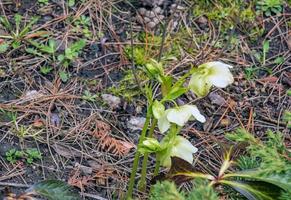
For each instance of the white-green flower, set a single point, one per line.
(208, 74)
(179, 147)
(179, 115)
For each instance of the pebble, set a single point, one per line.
(150, 14)
(111, 100)
(136, 123)
(147, 20)
(151, 24)
(142, 11)
(157, 10)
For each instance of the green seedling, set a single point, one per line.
(87, 96)
(14, 37)
(29, 155)
(71, 53)
(45, 70)
(13, 155)
(269, 7)
(82, 25)
(50, 48)
(32, 155)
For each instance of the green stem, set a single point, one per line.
(137, 155)
(157, 166)
(142, 183)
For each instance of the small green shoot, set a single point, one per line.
(45, 70)
(29, 155)
(87, 96)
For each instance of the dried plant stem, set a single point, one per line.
(137, 155)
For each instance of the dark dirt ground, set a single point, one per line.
(72, 131)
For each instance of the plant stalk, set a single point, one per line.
(142, 183)
(136, 156)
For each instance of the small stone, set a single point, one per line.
(157, 10)
(111, 100)
(173, 6)
(136, 123)
(151, 24)
(161, 17)
(146, 20)
(202, 20)
(140, 19)
(180, 8)
(156, 20)
(142, 11)
(150, 14)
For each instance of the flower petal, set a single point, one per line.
(219, 74)
(185, 144)
(179, 115)
(183, 149)
(196, 113)
(199, 84)
(163, 123)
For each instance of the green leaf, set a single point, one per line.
(266, 47)
(175, 93)
(181, 171)
(4, 47)
(71, 3)
(166, 190)
(149, 145)
(282, 180)
(64, 76)
(158, 109)
(279, 60)
(54, 190)
(166, 84)
(255, 190)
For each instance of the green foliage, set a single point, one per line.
(54, 190)
(82, 25)
(17, 35)
(45, 70)
(4, 47)
(269, 7)
(166, 190)
(247, 162)
(64, 76)
(87, 96)
(45, 2)
(139, 55)
(271, 153)
(71, 52)
(13, 155)
(29, 155)
(202, 190)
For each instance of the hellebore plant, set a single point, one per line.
(171, 120)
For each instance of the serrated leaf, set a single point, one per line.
(282, 180)
(255, 190)
(54, 190)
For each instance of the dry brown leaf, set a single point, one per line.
(108, 143)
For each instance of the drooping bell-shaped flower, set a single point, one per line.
(179, 147)
(212, 73)
(179, 115)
